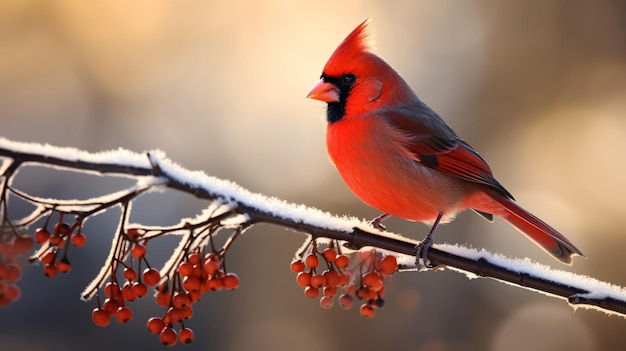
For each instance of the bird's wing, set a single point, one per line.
(437, 146)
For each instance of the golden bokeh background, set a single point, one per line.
(538, 88)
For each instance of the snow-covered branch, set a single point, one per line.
(235, 209)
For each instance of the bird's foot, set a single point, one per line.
(378, 226)
(421, 254)
(421, 250)
(377, 222)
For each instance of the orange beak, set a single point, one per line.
(324, 91)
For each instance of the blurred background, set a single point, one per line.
(538, 88)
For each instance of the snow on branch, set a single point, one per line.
(234, 209)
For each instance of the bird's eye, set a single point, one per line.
(348, 78)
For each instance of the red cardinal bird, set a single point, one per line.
(398, 156)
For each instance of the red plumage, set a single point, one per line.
(397, 155)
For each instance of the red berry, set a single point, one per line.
(363, 293)
(79, 239)
(111, 305)
(230, 281)
(180, 299)
(349, 289)
(213, 284)
(191, 283)
(303, 279)
(155, 325)
(311, 260)
(185, 269)
(345, 301)
(168, 336)
(130, 274)
(132, 233)
(50, 270)
(187, 312)
(388, 265)
(342, 261)
(195, 295)
(175, 314)
(140, 289)
(151, 276)
(326, 302)
(311, 292)
(112, 290)
(194, 258)
(297, 266)
(372, 294)
(100, 317)
(12, 292)
(138, 251)
(61, 229)
(42, 235)
(163, 298)
(367, 310)
(23, 244)
(185, 335)
(330, 254)
(13, 272)
(210, 267)
(64, 265)
(127, 292)
(4, 270)
(49, 257)
(123, 314)
(330, 291)
(332, 278)
(373, 280)
(57, 240)
(318, 280)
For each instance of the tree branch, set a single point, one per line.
(158, 171)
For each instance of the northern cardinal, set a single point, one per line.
(398, 156)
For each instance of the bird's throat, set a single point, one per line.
(335, 111)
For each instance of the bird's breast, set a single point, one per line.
(375, 164)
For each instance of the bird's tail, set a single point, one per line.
(542, 234)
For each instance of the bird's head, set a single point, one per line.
(355, 80)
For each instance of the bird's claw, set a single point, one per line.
(377, 225)
(421, 249)
(421, 255)
(377, 222)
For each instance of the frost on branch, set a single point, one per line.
(342, 259)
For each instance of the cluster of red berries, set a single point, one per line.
(363, 280)
(12, 245)
(195, 276)
(135, 285)
(57, 241)
(176, 292)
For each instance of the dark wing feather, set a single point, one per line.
(437, 146)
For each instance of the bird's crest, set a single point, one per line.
(354, 45)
